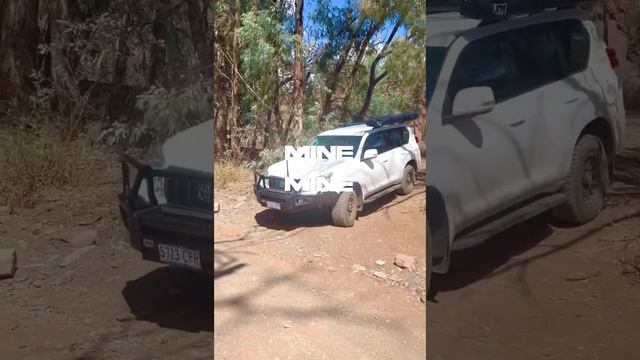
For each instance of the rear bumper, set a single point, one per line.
(150, 224)
(290, 202)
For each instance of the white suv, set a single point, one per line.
(385, 159)
(524, 115)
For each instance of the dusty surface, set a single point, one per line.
(287, 288)
(542, 292)
(107, 303)
(290, 288)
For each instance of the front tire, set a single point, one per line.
(585, 187)
(345, 210)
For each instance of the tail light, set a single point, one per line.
(613, 57)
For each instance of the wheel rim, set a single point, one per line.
(409, 180)
(590, 178)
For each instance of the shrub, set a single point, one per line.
(227, 172)
(33, 161)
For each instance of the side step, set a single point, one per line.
(382, 193)
(517, 216)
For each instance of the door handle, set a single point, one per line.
(385, 161)
(517, 123)
(571, 101)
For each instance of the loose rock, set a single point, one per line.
(380, 262)
(216, 207)
(381, 275)
(357, 268)
(84, 238)
(582, 276)
(8, 263)
(75, 255)
(405, 262)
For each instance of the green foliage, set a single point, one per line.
(168, 111)
(264, 51)
(340, 42)
(269, 157)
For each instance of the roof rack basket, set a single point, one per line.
(491, 10)
(384, 120)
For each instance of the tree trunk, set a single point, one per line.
(332, 81)
(19, 34)
(298, 70)
(232, 118)
(373, 78)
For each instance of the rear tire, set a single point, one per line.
(585, 187)
(345, 210)
(408, 181)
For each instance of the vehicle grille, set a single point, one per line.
(276, 183)
(189, 193)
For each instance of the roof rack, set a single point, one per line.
(384, 120)
(491, 10)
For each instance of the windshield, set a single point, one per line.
(337, 140)
(435, 59)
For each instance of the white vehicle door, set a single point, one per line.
(375, 172)
(481, 166)
(398, 140)
(551, 80)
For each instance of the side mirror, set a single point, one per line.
(370, 154)
(473, 101)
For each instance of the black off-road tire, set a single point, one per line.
(408, 180)
(585, 188)
(345, 210)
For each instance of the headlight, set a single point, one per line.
(143, 191)
(159, 189)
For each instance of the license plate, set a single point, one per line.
(273, 205)
(179, 256)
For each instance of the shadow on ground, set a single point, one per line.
(275, 220)
(246, 305)
(472, 265)
(172, 299)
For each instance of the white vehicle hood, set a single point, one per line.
(304, 168)
(190, 149)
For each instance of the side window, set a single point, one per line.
(573, 44)
(536, 57)
(395, 138)
(374, 141)
(482, 62)
(405, 136)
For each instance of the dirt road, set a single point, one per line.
(104, 302)
(543, 292)
(298, 288)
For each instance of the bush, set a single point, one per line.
(33, 161)
(227, 172)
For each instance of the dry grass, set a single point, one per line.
(35, 160)
(228, 172)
